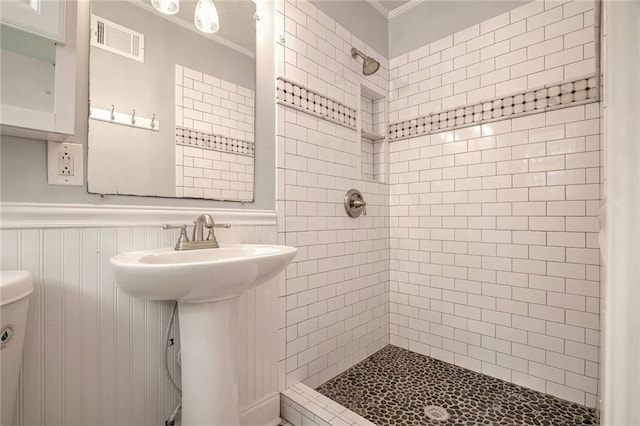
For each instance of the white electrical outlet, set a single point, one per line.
(65, 162)
(64, 165)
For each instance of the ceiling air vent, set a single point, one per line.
(117, 39)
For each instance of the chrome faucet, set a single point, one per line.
(198, 241)
(204, 221)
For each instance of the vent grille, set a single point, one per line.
(100, 33)
(117, 39)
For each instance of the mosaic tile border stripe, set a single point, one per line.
(550, 97)
(213, 142)
(306, 100)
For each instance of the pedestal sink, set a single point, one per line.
(206, 283)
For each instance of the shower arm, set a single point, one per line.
(355, 52)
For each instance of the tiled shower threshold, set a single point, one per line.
(394, 386)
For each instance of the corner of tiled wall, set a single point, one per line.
(335, 299)
(494, 239)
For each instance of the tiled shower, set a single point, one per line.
(481, 247)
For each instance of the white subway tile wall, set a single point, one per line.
(540, 43)
(366, 114)
(211, 105)
(373, 155)
(211, 174)
(217, 109)
(336, 299)
(379, 160)
(494, 251)
(367, 158)
(336, 296)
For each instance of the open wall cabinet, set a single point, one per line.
(38, 68)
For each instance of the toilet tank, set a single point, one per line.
(15, 287)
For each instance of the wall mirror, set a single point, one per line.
(172, 94)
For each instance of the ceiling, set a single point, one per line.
(237, 22)
(429, 20)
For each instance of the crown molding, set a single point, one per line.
(379, 7)
(394, 12)
(36, 215)
(404, 8)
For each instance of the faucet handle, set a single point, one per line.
(183, 229)
(212, 235)
(183, 234)
(173, 226)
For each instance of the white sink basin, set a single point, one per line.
(206, 283)
(204, 275)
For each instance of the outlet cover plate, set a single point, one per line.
(55, 150)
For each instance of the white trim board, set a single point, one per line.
(404, 8)
(36, 215)
(394, 12)
(379, 8)
(263, 413)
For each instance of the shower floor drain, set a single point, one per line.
(435, 412)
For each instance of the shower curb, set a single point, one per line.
(299, 404)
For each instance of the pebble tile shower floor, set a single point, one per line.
(393, 387)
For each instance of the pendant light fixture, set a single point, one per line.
(206, 17)
(168, 7)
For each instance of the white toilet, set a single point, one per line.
(15, 286)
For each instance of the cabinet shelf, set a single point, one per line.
(38, 70)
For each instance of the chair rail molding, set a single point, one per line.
(37, 215)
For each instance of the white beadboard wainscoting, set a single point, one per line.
(93, 355)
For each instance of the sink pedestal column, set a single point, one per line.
(208, 341)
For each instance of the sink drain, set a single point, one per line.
(435, 412)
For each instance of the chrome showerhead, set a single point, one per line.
(369, 66)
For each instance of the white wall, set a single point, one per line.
(494, 244)
(93, 355)
(621, 348)
(418, 246)
(335, 302)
